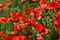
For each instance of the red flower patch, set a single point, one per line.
(57, 21)
(4, 20)
(15, 16)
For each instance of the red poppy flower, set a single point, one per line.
(55, 5)
(22, 37)
(6, 38)
(15, 38)
(39, 38)
(28, 11)
(24, 19)
(19, 14)
(13, 33)
(26, 27)
(43, 3)
(17, 27)
(31, 22)
(38, 27)
(57, 21)
(37, 13)
(41, 29)
(49, 5)
(58, 3)
(37, 16)
(37, 10)
(9, 2)
(52, 5)
(2, 34)
(2, 6)
(4, 20)
(15, 16)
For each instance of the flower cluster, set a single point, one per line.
(50, 5)
(28, 19)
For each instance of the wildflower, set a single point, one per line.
(24, 19)
(39, 38)
(9, 2)
(17, 27)
(41, 29)
(28, 11)
(22, 37)
(2, 34)
(15, 16)
(37, 13)
(8, 38)
(51, 5)
(43, 3)
(15, 38)
(57, 21)
(58, 3)
(2, 6)
(4, 20)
